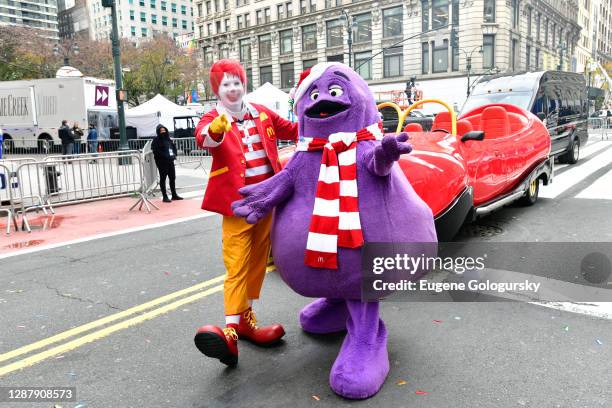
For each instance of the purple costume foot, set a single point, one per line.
(337, 99)
(324, 316)
(363, 364)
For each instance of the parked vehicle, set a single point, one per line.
(390, 119)
(31, 111)
(499, 155)
(558, 98)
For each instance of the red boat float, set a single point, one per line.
(467, 167)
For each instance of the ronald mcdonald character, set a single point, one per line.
(242, 139)
(342, 188)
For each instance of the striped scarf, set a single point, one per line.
(335, 217)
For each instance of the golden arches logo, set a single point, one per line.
(402, 115)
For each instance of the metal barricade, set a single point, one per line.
(7, 204)
(149, 179)
(59, 180)
(600, 126)
(15, 148)
(188, 152)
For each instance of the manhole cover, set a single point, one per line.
(480, 230)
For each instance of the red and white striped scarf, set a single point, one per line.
(335, 217)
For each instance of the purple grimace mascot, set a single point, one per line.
(341, 188)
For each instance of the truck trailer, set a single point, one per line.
(31, 111)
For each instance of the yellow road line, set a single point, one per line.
(108, 319)
(88, 338)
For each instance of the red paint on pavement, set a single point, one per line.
(85, 220)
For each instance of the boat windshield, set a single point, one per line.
(520, 99)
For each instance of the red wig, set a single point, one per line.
(226, 66)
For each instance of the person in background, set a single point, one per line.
(164, 152)
(78, 135)
(92, 139)
(67, 137)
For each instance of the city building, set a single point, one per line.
(603, 39)
(38, 14)
(584, 47)
(73, 19)
(390, 41)
(136, 18)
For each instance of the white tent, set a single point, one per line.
(272, 98)
(158, 110)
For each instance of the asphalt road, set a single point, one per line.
(501, 354)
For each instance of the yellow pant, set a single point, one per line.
(245, 253)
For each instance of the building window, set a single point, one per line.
(184, 10)
(226, 4)
(247, 20)
(392, 62)
(239, 22)
(308, 64)
(362, 24)
(265, 46)
(289, 8)
(210, 30)
(173, 7)
(265, 75)
(529, 22)
(223, 51)
(439, 14)
(133, 31)
(165, 23)
(198, 8)
(334, 33)
(545, 31)
(245, 50)
(286, 42)
(488, 51)
(153, 19)
(217, 8)
(184, 24)
(537, 59)
(335, 58)
(280, 11)
(303, 9)
(152, 4)
(425, 58)
(455, 6)
(218, 26)
(489, 11)
(143, 32)
(392, 22)
(515, 13)
(363, 64)
(259, 17)
(227, 25)
(538, 20)
(514, 55)
(440, 57)
(175, 24)
(425, 15)
(455, 56)
(332, 3)
(249, 78)
(528, 58)
(132, 15)
(287, 78)
(309, 37)
(208, 7)
(554, 36)
(141, 3)
(267, 15)
(143, 17)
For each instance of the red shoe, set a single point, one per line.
(217, 343)
(262, 336)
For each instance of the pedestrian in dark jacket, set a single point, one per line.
(67, 137)
(164, 151)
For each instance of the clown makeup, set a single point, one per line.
(231, 90)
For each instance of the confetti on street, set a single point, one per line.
(437, 321)
(401, 382)
(599, 342)
(420, 392)
(316, 398)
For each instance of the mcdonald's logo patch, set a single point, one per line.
(263, 116)
(270, 132)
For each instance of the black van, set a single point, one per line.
(558, 98)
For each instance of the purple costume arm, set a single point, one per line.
(380, 160)
(259, 199)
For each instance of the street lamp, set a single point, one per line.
(468, 63)
(349, 28)
(120, 93)
(65, 50)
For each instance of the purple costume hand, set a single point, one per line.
(261, 198)
(388, 152)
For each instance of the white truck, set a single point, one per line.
(31, 111)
